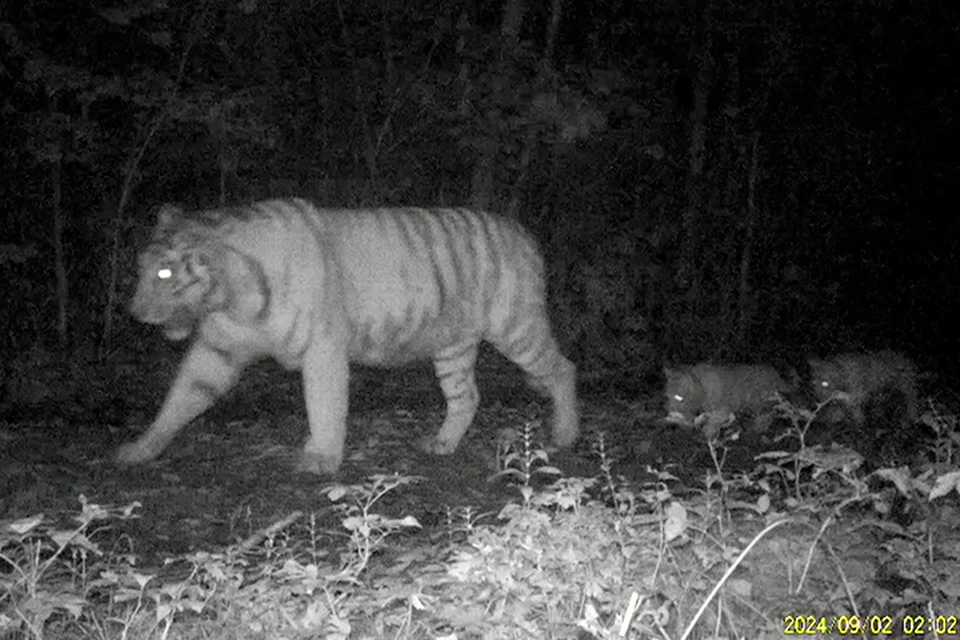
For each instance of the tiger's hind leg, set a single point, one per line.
(532, 347)
(561, 385)
(455, 372)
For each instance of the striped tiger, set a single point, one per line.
(317, 289)
(867, 384)
(702, 388)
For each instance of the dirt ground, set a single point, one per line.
(232, 470)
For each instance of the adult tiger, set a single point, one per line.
(319, 288)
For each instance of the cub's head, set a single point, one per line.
(177, 275)
(684, 395)
(826, 378)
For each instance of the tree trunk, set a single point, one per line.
(746, 305)
(59, 261)
(690, 271)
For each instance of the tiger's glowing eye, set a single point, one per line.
(164, 274)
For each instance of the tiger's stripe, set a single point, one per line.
(316, 289)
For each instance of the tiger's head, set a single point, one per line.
(826, 379)
(684, 395)
(177, 283)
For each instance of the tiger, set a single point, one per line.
(692, 390)
(317, 289)
(867, 384)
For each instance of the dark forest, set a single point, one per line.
(736, 202)
(708, 180)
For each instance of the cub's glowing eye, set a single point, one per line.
(164, 274)
(824, 384)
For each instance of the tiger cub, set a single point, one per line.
(317, 289)
(702, 388)
(867, 385)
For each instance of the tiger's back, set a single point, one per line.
(319, 288)
(406, 301)
(703, 388)
(864, 379)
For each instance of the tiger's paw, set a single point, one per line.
(133, 453)
(437, 446)
(318, 464)
(565, 438)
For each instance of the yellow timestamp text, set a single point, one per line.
(873, 625)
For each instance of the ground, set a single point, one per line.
(231, 471)
(231, 474)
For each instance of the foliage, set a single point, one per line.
(603, 556)
(47, 571)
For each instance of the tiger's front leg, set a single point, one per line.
(326, 375)
(459, 386)
(206, 374)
